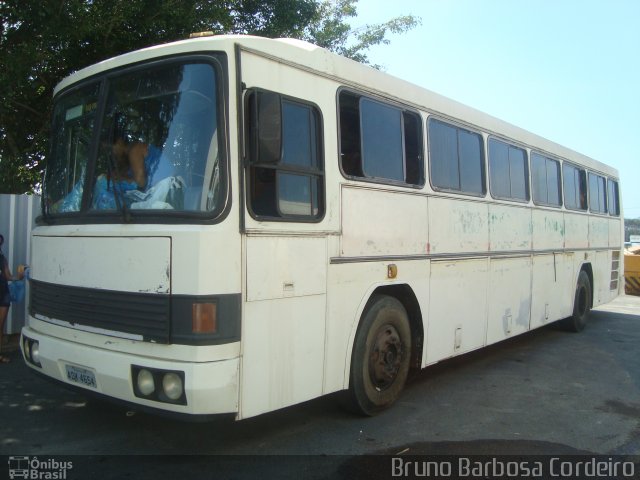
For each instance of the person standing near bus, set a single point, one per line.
(5, 299)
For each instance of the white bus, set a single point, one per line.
(303, 225)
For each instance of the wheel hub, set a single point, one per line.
(386, 357)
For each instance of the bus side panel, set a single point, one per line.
(281, 267)
(458, 226)
(617, 262)
(598, 232)
(458, 326)
(615, 234)
(349, 288)
(552, 290)
(548, 230)
(601, 260)
(282, 358)
(509, 298)
(509, 228)
(374, 224)
(576, 231)
(378, 223)
(601, 277)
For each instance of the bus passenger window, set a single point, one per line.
(545, 180)
(613, 198)
(379, 141)
(575, 187)
(350, 157)
(286, 182)
(413, 148)
(456, 159)
(508, 171)
(597, 193)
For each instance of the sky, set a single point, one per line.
(567, 70)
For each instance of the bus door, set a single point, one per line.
(285, 249)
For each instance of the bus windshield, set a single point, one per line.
(138, 142)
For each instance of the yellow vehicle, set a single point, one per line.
(632, 271)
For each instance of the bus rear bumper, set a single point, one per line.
(210, 388)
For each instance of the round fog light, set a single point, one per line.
(146, 384)
(172, 386)
(35, 352)
(25, 348)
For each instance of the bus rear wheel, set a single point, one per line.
(581, 305)
(381, 356)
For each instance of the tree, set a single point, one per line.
(330, 30)
(631, 227)
(41, 42)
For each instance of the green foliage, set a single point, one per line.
(332, 32)
(43, 41)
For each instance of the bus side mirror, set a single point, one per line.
(266, 115)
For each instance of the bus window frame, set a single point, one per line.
(483, 152)
(559, 161)
(248, 164)
(586, 179)
(420, 141)
(510, 143)
(617, 183)
(606, 193)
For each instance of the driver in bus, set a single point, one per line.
(134, 166)
(132, 169)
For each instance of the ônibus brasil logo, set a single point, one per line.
(35, 469)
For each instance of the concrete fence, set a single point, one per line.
(17, 219)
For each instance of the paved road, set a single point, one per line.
(546, 392)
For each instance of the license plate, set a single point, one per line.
(81, 375)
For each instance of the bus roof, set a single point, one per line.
(351, 74)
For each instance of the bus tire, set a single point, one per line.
(581, 305)
(381, 356)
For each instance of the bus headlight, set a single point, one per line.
(158, 385)
(172, 386)
(146, 383)
(26, 348)
(35, 353)
(31, 350)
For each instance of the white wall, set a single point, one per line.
(17, 216)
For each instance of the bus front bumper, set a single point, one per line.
(208, 388)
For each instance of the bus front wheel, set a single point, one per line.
(381, 355)
(581, 305)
